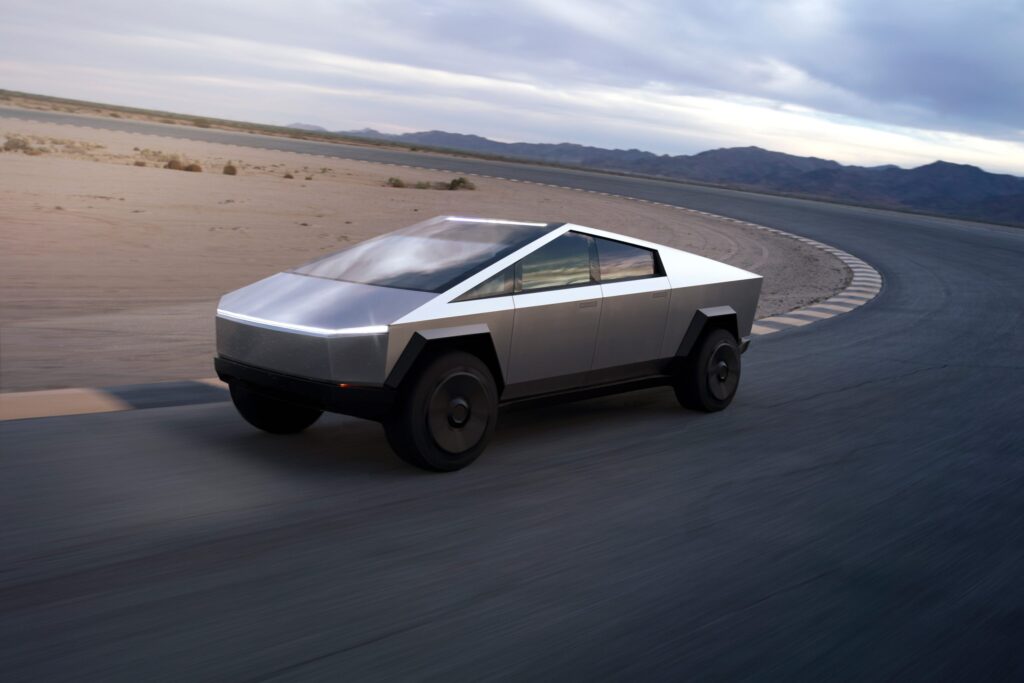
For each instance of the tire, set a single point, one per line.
(711, 374)
(271, 414)
(446, 414)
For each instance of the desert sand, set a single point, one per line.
(111, 271)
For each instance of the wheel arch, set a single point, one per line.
(704, 320)
(427, 344)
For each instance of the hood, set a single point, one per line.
(318, 306)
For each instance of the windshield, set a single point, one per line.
(430, 256)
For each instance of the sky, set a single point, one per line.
(863, 82)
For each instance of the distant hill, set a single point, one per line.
(941, 187)
(307, 126)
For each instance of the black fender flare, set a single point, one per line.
(475, 339)
(722, 317)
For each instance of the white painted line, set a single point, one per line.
(761, 329)
(813, 314)
(797, 322)
(833, 307)
(846, 300)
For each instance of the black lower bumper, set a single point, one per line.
(371, 403)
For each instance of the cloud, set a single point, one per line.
(863, 82)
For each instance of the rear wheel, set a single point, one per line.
(271, 414)
(446, 415)
(711, 374)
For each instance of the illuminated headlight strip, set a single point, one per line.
(462, 219)
(306, 329)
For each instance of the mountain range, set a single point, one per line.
(942, 188)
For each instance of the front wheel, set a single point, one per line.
(711, 374)
(446, 415)
(271, 414)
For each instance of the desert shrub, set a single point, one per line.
(461, 183)
(114, 115)
(395, 182)
(140, 163)
(16, 144)
(309, 177)
(193, 168)
(174, 163)
(229, 169)
(422, 185)
(201, 123)
(289, 176)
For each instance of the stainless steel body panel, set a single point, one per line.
(302, 355)
(495, 315)
(319, 306)
(312, 327)
(553, 335)
(740, 295)
(633, 317)
(357, 359)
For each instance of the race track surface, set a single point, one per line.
(856, 514)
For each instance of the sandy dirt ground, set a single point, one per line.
(110, 271)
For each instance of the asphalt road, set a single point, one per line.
(857, 513)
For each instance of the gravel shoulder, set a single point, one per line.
(111, 271)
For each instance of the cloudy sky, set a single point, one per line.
(860, 81)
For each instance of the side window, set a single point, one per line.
(563, 262)
(619, 261)
(496, 285)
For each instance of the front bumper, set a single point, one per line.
(371, 403)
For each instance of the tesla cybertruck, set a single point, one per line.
(431, 328)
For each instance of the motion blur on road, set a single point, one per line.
(855, 514)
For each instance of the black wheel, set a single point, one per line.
(271, 414)
(711, 373)
(446, 414)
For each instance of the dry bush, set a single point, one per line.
(461, 183)
(395, 182)
(140, 163)
(309, 177)
(201, 123)
(193, 168)
(289, 176)
(174, 164)
(229, 169)
(16, 144)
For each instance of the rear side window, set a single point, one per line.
(620, 261)
(563, 262)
